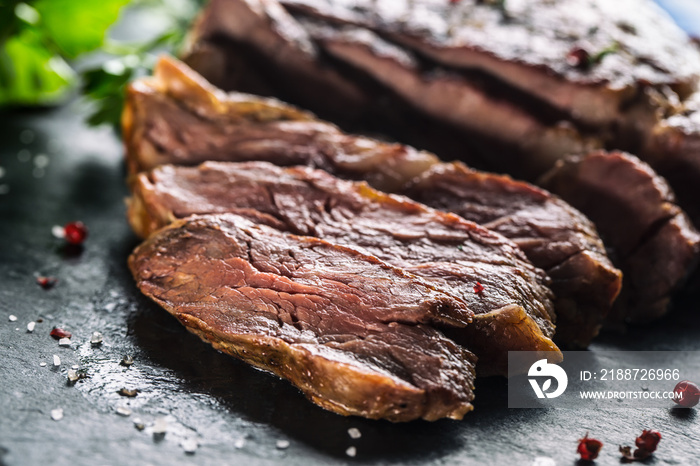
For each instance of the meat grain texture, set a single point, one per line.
(512, 313)
(554, 236)
(344, 327)
(534, 81)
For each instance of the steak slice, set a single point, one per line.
(651, 239)
(554, 236)
(341, 326)
(672, 148)
(177, 117)
(215, 134)
(527, 45)
(454, 99)
(512, 313)
(522, 84)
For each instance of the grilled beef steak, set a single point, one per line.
(554, 236)
(342, 326)
(512, 312)
(170, 120)
(650, 237)
(177, 117)
(531, 81)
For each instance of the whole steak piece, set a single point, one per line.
(344, 327)
(507, 296)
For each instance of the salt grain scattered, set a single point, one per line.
(239, 443)
(75, 367)
(96, 339)
(72, 376)
(41, 161)
(189, 445)
(351, 452)
(30, 326)
(127, 360)
(544, 461)
(57, 414)
(26, 136)
(13, 318)
(64, 342)
(160, 426)
(42, 364)
(58, 231)
(123, 411)
(24, 155)
(282, 444)
(56, 360)
(354, 432)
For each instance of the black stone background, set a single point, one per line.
(204, 394)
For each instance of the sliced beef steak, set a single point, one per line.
(672, 148)
(527, 44)
(342, 326)
(449, 97)
(217, 134)
(554, 236)
(650, 237)
(525, 84)
(177, 117)
(512, 312)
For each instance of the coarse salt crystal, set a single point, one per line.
(96, 338)
(351, 452)
(189, 445)
(30, 326)
(42, 364)
(13, 318)
(58, 231)
(354, 432)
(72, 376)
(160, 426)
(545, 461)
(56, 360)
(239, 443)
(57, 414)
(64, 342)
(123, 411)
(282, 444)
(75, 367)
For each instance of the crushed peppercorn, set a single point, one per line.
(46, 282)
(75, 232)
(58, 333)
(689, 394)
(589, 448)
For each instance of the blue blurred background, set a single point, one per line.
(685, 12)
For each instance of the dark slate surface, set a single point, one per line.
(237, 414)
(207, 395)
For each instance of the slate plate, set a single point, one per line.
(236, 414)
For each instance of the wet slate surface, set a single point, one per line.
(237, 414)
